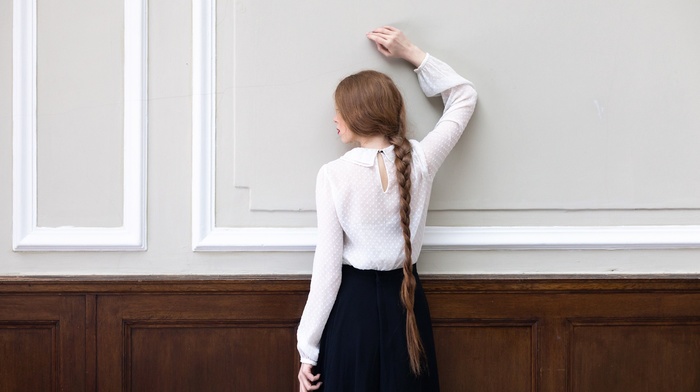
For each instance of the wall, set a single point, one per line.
(579, 158)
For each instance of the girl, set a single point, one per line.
(366, 324)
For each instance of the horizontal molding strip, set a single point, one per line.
(27, 236)
(207, 237)
(562, 237)
(472, 238)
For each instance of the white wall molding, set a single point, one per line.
(207, 237)
(562, 237)
(27, 236)
(203, 124)
(472, 238)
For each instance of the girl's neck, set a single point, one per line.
(378, 142)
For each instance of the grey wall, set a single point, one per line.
(587, 116)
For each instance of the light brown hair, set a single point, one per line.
(371, 104)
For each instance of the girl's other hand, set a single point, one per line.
(307, 380)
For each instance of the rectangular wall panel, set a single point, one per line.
(209, 355)
(486, 356)
(42, 343)
(28, 234)
(227, 342)
(80, 102)
(635, 355)
(29, 359)
(589, 161)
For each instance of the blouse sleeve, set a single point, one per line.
(458, 94)
(326, 273)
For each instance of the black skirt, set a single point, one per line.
(363, 347)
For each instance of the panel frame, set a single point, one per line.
(532, 323)
(572, 323)
(206, 236)
(238, 306)
(27, 235)
(64, 315)
(52, 326)
(129, 325)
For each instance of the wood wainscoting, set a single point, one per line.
(238, 334)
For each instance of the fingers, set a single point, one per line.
(383, 35)
(391, 42)
(313, 384)
(384, 44)
(382, 50)
(386, 30)
(304, 383)
(306, 370)
(307, 380)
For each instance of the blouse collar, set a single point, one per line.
(367, 156)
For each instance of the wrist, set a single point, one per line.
(414, 55)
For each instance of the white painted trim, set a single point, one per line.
(203, 124)
(561, 237)
(472, 238)
(26, 235)
(207, 237)
(263, 239)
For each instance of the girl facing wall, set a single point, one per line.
(366, 325)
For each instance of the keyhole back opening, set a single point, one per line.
(382, 171)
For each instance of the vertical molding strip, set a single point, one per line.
(24, 120)
(203, 119)
(207, 237)
(27, 236)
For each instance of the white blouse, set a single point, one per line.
(358, 222)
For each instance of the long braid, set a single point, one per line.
(402, 149)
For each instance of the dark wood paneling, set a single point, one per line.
(183, 343)
(215, 356)
(42, 343)
(620, 355)
(486, 356)
(28, 353)
(553, 307)
(230, 333)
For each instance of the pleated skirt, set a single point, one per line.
(363, 347)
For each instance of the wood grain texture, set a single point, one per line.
(486, 356)
(42, 343)
(227, 333)
(28, 353)
(635, 355)
(224, 356)
(184, 342)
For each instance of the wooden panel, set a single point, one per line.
(635, 355)
(552, 305)
(28, 357)
(481, 356)
(211, 356)
(182, 343)
(42, 343)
